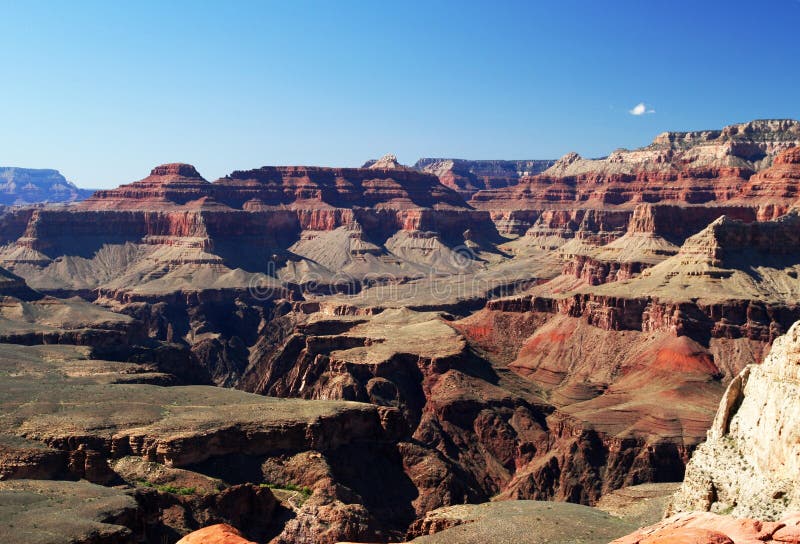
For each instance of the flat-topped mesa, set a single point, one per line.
(168, 185)
(177, 218)
(176, 171)
(312, 187)
(389, 197)
(771, 131)
(20, 186)
(726, 239)
(384, 185)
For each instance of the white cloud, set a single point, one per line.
(641, 109)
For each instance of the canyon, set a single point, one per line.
(388, 353)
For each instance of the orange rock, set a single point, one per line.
(790, 532)
(687, 536)
(709, 528)
(215, 534)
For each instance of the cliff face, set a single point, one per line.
(167, 185)
(409, 225)
(30, 186)
(749, 464)
(280, 186)
(747, 146)
(779, 182)
(468, 177)
(468, 429)
(709, 168)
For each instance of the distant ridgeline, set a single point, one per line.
(32, 185)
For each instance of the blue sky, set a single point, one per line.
(103, 91)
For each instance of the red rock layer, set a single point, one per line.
(280, 186)
(701, 321)
(779, 183)
(601, 226)
(595, 272)
(702, 191)
(265, 209)
(167, 185)
(596, 189)
(337, 187)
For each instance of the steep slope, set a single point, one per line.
(710, 168)
(748, 466)
(642, 361)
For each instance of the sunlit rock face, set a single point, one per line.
(750, 465)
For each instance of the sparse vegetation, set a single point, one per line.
(304, 491)
(167, 488)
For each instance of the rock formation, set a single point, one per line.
(708, 528)
(748, 466)
(387, 162)
(708, 169)
(468, 177)
(19, 186)
(215, 534)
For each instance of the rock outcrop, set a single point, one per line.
(21, 186)
(470, 176)
(383, 184)
(220, 533)
(196, 455)
(387, 162)
(709, 528)
(748, 466)
(731, 167)
(167, 185)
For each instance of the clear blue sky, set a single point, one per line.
(103, 91)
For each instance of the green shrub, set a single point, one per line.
(167, 488)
